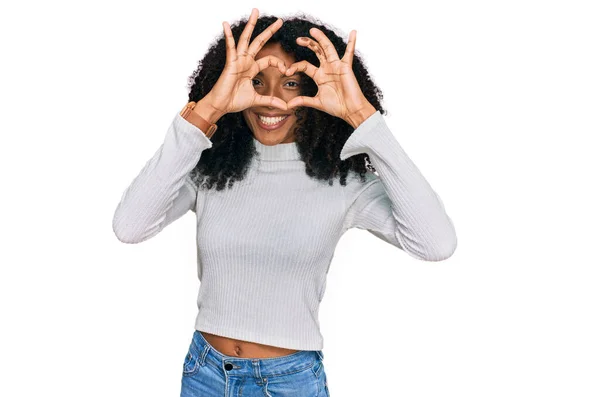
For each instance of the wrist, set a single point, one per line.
(207, 111)
(358, 117)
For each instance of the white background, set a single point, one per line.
(496, 102)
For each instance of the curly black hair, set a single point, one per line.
(320, 136)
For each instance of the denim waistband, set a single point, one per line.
(258, 367)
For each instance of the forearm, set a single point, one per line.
(158, 195)
(411, 215)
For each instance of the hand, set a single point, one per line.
(234, 91)
(339, 93)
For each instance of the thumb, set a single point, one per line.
(304, 101)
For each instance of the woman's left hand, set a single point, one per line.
(339, 93)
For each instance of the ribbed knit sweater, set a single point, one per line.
(265, 245)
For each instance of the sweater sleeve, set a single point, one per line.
(398, 205)
(163, 190)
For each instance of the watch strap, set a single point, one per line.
(194, 118)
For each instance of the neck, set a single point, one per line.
(279, 152)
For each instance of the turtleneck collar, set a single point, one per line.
(279, 152)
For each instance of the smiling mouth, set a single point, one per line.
(270, 127)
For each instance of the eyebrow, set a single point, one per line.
(295, 74)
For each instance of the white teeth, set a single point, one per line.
(271, 120)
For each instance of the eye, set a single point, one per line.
(291, 81)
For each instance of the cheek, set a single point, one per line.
(294, 94)
(294, 122)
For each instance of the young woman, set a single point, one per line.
(300, 134)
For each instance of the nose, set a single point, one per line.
(270, 88)
(274, 90)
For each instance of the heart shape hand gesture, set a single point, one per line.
(338, 91)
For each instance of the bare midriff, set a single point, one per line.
(244, 349)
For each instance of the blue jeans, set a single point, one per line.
(209, 373)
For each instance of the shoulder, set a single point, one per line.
(355, 185)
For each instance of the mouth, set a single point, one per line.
(271, 123)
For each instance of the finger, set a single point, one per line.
(269, 101)
(313, 45)
(327, 46)
(313, 102)
(349, 54)
(230, 54)
(247, 32)
(304, 67)
(263, 37)
(271, 61)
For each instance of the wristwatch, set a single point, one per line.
(207, 128)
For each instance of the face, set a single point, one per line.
(270, 82)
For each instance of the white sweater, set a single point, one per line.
(264, 246)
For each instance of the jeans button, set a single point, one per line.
(228, 366)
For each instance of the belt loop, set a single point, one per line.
(320, 354)
(202, 358)
(256, 370)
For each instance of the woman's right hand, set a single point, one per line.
(234, 91)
